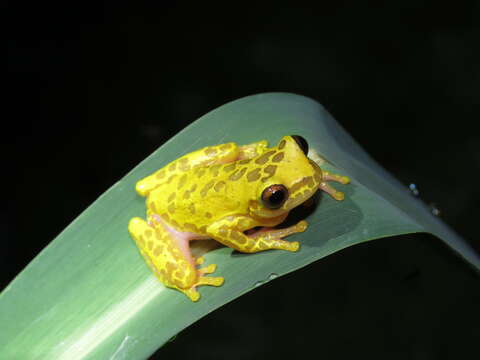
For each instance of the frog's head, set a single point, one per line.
(289, 178)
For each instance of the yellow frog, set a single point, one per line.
(220, 192)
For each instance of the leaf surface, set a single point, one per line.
(89, 294)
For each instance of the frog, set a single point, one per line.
(234, 194)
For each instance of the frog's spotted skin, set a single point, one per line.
(165, 257)
(216, 192)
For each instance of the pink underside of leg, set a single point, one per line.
(182, 239)
(256, 232)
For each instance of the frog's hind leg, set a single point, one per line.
(169, 260)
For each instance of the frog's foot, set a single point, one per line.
(269, 238)
(200, 260)
(192, 292)
(324, 186)
(263, 244)
(335, 177)
(330, 190)
(210, 280)
(281, 245)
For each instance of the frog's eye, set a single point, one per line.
(301, 142)
(274, 196)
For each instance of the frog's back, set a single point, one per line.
(202, 195)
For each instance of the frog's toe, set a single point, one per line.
(294, 246)
(200, 260)
(301, 226)
(192, 294)
(136, 225)
(210, 280)
(339, 196)
(208, 269)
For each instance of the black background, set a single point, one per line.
(95, 88)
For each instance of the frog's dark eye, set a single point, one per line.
(301, 142)
(274, 196)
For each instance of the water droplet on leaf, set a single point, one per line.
(434, 210)
(413, 189)
(258, 283)
(272, 276)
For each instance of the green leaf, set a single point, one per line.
(89, 294)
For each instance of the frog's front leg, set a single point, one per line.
(267, 233)
(226, 232)
(170, 259)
